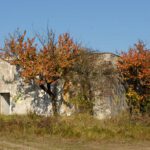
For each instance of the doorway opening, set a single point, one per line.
(5, 103)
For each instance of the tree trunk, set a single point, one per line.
(54, 105)
(53, 96)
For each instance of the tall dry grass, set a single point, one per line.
(80, 126)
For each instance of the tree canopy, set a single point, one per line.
(42, 66)
(134, 66)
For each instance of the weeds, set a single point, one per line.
(78, 126)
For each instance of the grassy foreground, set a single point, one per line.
(79, 129)
(79, 126)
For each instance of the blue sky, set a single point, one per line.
(104, 25)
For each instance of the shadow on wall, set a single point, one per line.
(33, 99)
(41, 102)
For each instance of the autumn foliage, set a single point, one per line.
(42, 66)
(134, 66)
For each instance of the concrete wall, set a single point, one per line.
(108, 92)
(8, 86)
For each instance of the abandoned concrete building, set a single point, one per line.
(18, 98)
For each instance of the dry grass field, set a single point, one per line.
(80, 132)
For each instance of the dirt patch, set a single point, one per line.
(64, 144)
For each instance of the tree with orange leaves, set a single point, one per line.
(42, 66)
(134, 66)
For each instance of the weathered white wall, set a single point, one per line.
(109, 93)
(8, 85)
